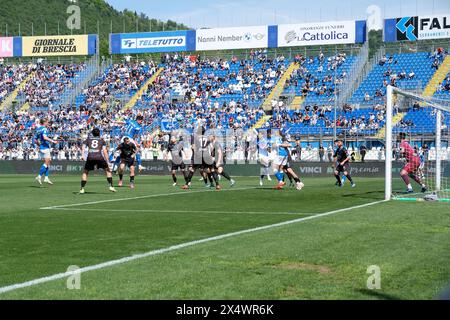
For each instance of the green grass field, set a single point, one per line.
(46, 230)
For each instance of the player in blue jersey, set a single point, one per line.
(422, 154)
(282, 145)
(112, 159)
(133, 129)
(264, 157)
(43, 141)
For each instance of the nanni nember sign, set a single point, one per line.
(417, 28)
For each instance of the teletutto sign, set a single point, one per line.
(321, 33)
(232, 38)
(149, 42)
(417, 28)
(58, 45)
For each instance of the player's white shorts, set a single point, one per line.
(281, 160)
(264, 159)
(45, 153)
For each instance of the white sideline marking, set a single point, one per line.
(173, 248)
(178, 211)
(140, 197)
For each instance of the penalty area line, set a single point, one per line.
(140, 197)
(111, 263)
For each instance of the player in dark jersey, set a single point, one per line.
(202, 156)
(287, 142)
(134, 130)
(342, 164)
(96, 154)
(127, 151)
(194, 165)
(209, 163)
(202, 159)
(219, 159)
(176, 151)
(191, 169)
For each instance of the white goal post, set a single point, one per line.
(432, 119)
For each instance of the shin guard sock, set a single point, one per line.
(405, 178)
(42, 170)
(189, 177)
(216, 178)
(338, 178)
(138, 159)
(279, 176)
(225, 175)
(349, 178)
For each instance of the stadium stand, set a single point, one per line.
(119, 81)
(214, 92)
(317, 77)
(47, 85)
(184, 91)
(12, 77)
(406, 70)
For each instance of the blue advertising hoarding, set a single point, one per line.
(148, 42)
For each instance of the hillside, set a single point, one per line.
(39, 17)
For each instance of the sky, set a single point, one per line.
(228, 13)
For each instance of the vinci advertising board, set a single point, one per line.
(321, 33)
(417, 28)
(148, 42)
(59, 45)
(232, 38)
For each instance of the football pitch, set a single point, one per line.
(245, 242)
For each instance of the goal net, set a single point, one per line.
(417, 147)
